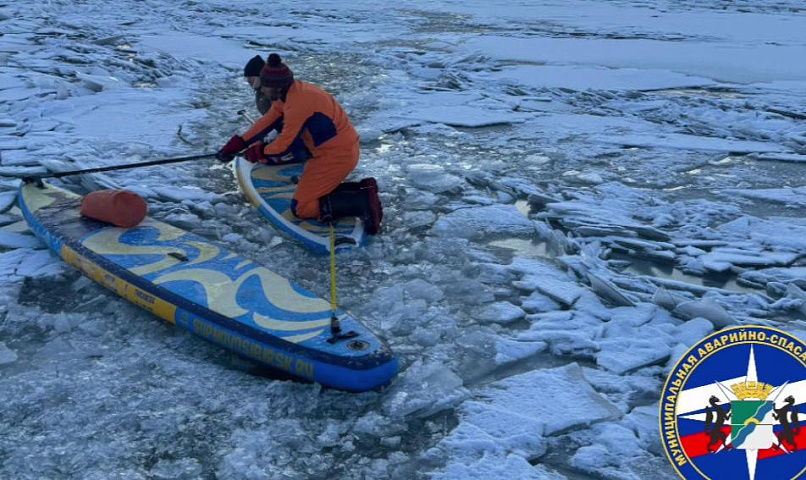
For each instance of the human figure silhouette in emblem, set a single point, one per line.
(787, 417)
(715, 418)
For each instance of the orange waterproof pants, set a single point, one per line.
(321, 175)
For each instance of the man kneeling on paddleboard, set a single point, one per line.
(311, 123)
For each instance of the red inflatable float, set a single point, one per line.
(121, 208)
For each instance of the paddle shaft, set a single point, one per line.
(119, 167)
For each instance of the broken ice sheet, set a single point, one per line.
(423, 390)
(573, 403)
(19, 240)
(775, 274)
(6, 354)
(7, 200)
(473, 222)
(625, 391)
(564, 293)
(191, 82)
(635, 338)
(486, 430)
(494, 466)
(25, 262)
(509, 351)
(508, 419)
(722, 258)
(537, 302)
(500, 312)
(464, 116)
(20, 158)
(612, 449)
(565, 332)
(597, 78)
(773, 233)
(432, 178)
(792, 197)
(178, 194)
(623, 355)
(689, 142)
(706, 308)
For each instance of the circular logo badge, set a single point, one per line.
(730, 408)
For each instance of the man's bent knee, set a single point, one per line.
(308, 209)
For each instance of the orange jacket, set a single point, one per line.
(309, 116)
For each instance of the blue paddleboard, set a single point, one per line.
(216, 294)
(270, 189)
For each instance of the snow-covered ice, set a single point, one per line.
(574, 194)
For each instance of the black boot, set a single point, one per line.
(348, 201)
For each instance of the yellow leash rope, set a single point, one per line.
(334, 322)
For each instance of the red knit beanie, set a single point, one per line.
(275, 73)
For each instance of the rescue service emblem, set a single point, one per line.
(730, 408)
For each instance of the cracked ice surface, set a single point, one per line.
(574, 194)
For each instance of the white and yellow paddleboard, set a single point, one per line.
(270, 189)
(197, 285)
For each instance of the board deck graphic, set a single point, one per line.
(270, 189)
(225, 298)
